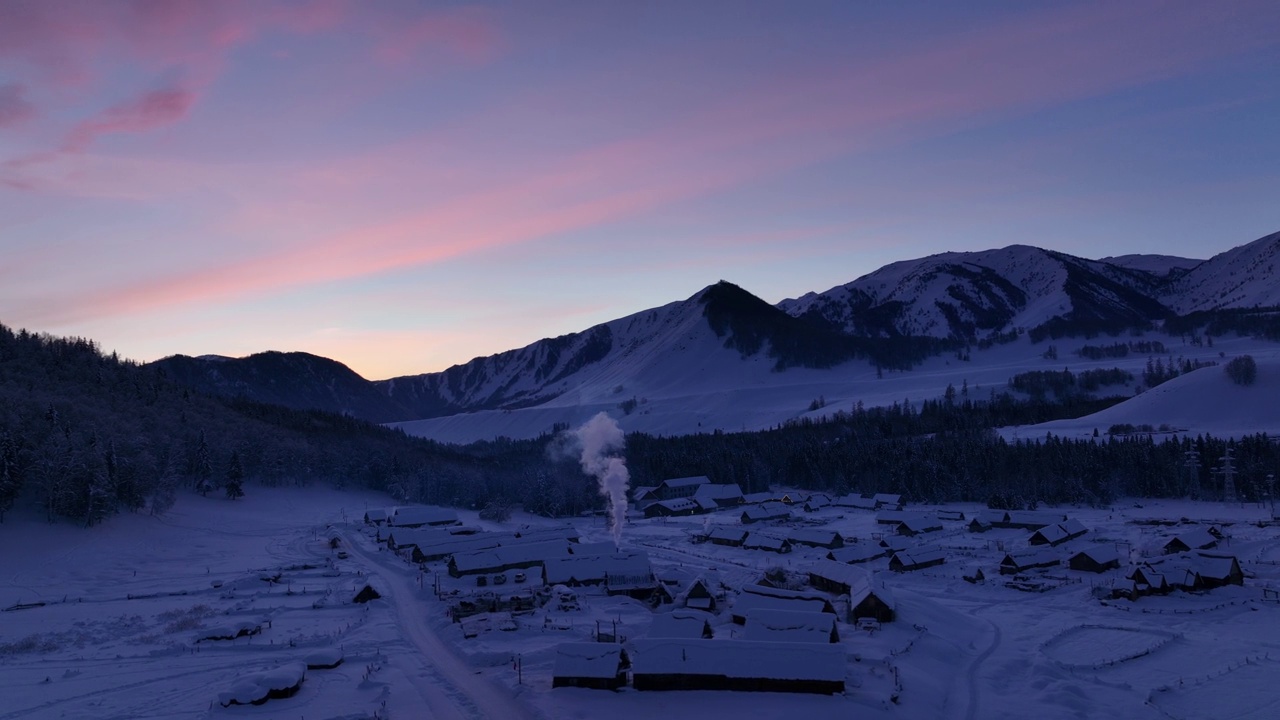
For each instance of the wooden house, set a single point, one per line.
(719, 495)
(814, 537)
(916, 559)
(684, 487)
(855, 501)
(599, 666)
(766, 511)
(729, 536)
(917, 525)
(1014, 563)
(766, 541)
(1095, 559)
(377, 516)
(1197, 539)
(816, 502)
(420, 515)
(891, 501)
(1058, 533)
(675, 507)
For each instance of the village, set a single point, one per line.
(711, 589)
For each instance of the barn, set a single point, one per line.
(916, 559)
(743, 665)
(599, 666)
(1096, 559)
(698, 596)
(865, 600)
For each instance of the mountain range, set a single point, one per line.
(725, 359)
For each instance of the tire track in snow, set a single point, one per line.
(459, 683)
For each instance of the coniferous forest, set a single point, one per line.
(84, 435)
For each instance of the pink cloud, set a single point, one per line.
(154, 109)
(468, 32)
(14, 107)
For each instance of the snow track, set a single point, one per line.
(454, 689)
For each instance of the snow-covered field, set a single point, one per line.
(125, 605)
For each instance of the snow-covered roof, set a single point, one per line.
(856, 501)
(919, 556)
(608, 547)
(423, 515)
(587, 660)
(887, 498)
(1059, 532)
(840, 573)
(740, 659)
(539, 534)
(719, 491)
(376, 514)
(790, 626)
(757, 497)
(766, 511)
(594, 568)
(917, 524)
(686, 481)
(678, 505)
(732, 533)
(1031, 558)
(857, 553)
(764, 541)
(1195, 539)
(672, 625)
(747, 602)
(1100, 554)
(813, 536)
(507, 555)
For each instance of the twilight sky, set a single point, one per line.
(403, 186)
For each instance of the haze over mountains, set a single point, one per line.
(724, 359)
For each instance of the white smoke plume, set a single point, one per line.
(602, 441)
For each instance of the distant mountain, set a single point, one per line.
(1162, 266)
(724, 358)
(295, 380)
(1242, 277)
(972, 295)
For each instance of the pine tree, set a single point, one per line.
(235, 477)
(10, 479)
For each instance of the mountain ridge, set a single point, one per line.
(725, 340)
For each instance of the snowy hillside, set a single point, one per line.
(975, 294)
(1242, 277)
(1158, 265)
(1201, 402)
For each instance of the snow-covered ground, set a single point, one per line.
(125, 604)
